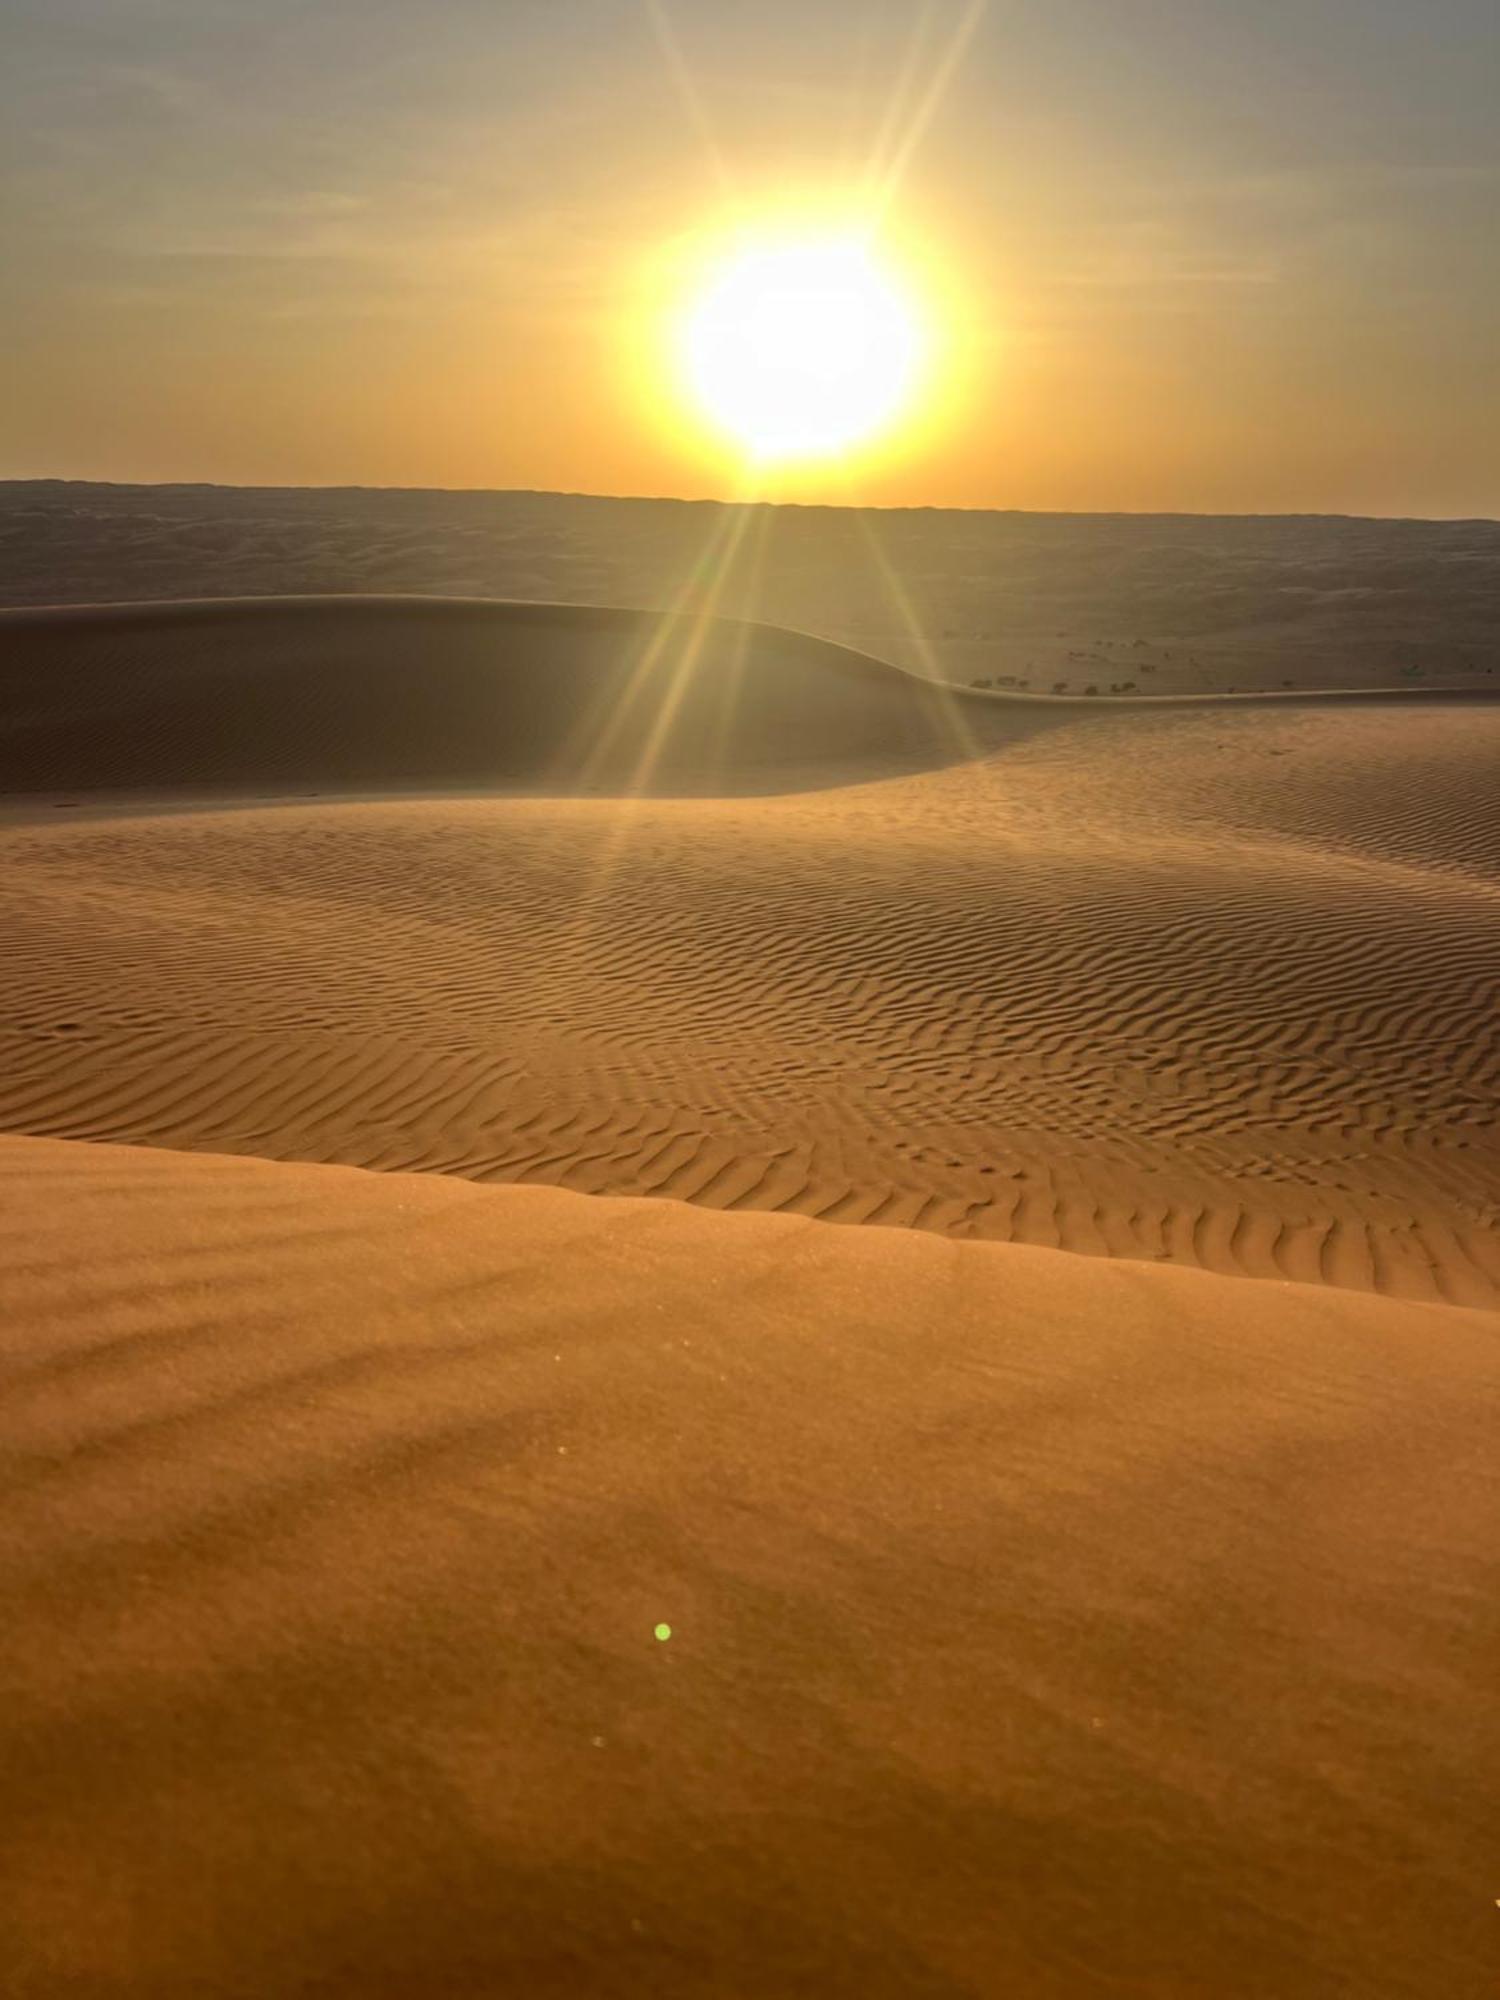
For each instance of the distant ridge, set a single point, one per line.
(50, 485)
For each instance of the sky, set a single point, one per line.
(1184, 254)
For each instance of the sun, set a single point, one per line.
(801, 348)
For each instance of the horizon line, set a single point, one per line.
(803, 506)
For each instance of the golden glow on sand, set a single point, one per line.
(798, 348)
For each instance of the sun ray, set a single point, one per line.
(734, 670)
(961, 738)
(700, 630)
(723, 535)
(888, 174)
(903, 86)
(665, 31)
(688, 625)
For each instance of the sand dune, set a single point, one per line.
(271, 692)
(1215, 987)
(1038, 1626)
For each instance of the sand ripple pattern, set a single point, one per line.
(1217, 989)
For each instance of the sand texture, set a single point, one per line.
(1039, 1626)
(1216, 985)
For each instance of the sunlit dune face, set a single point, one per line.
(801, 349)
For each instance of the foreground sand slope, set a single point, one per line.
(1040, 1626)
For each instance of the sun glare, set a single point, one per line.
(800, 348)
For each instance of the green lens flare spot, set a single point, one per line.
(663, 1632)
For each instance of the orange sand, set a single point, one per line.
(1040, 1625)
(1216, 986)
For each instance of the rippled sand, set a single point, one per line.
(1216, 984)
(1032, 1624)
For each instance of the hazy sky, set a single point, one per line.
(1240, 257)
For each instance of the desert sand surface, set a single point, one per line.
(419, 1583)
(1038, 1625)
(1172, 603)
(1215, 985)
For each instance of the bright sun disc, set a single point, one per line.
(801, 349)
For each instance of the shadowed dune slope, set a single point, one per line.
(263, 694)
(255, 694)
(1038, 1626)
